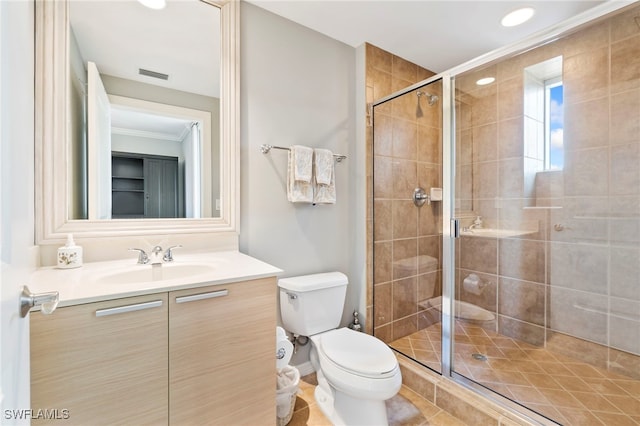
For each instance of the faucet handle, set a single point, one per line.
(168, 254)
(143, 259)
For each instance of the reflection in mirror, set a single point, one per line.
(144, 89)
(150, 132)
(61, 116)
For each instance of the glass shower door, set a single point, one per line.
(407, 147)
(547, 195)
(501, 277)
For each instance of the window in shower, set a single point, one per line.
(554, 124)
(544, 116)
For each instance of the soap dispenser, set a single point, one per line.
(69, 255)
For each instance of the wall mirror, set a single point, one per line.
(137, 118)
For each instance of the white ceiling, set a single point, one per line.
(181, 40)
(437, 35)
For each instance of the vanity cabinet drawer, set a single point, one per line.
(106, 363)
(221, 354)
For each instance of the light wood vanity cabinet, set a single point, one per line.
(222, 354)
(205, 356)
(105, 362)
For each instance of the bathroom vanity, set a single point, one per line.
(190, 342)
(187, 349)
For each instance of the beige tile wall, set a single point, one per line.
(580, 279)
(405, 150)
(581, 283)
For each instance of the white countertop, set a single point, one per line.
(94, 281)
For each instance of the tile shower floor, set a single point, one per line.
(568, 391)
(406, 408)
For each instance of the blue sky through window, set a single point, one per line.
(556, 128)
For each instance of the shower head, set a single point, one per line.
(431, 99)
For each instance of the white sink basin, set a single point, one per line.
(150, 273)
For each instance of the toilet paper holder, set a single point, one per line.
(473, 284)
(284, 348)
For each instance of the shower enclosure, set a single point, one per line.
(524, 281)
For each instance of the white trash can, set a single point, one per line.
(288, 382)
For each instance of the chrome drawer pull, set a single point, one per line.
(202, 296)
(128, 308)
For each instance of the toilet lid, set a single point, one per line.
(358, 352)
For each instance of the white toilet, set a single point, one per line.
(356, 371)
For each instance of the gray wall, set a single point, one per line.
(299, 87)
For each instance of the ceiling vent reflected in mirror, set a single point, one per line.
(153, 74)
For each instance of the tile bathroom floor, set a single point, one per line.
(568, 391)
(406, 408)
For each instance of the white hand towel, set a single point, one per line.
(324, 187)
(324, 166)
(303, 164)
(299, 190)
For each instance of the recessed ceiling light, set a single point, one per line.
(154, 4)
(517, 17)
(485, 81)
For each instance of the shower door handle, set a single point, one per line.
(455, 228)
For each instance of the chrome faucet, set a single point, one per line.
(168, 254)
(155, 255)
(477, 223)
(143, 258)
(156, 252)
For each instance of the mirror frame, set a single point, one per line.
(52, 179)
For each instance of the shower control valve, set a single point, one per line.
(420, 196)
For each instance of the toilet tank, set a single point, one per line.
(311, 304)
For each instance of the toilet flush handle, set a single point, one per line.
(292, 296)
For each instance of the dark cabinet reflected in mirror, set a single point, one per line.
(144, 110)
(145, 186)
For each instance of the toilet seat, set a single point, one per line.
(358, 353)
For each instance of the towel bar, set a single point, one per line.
(265, 148)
